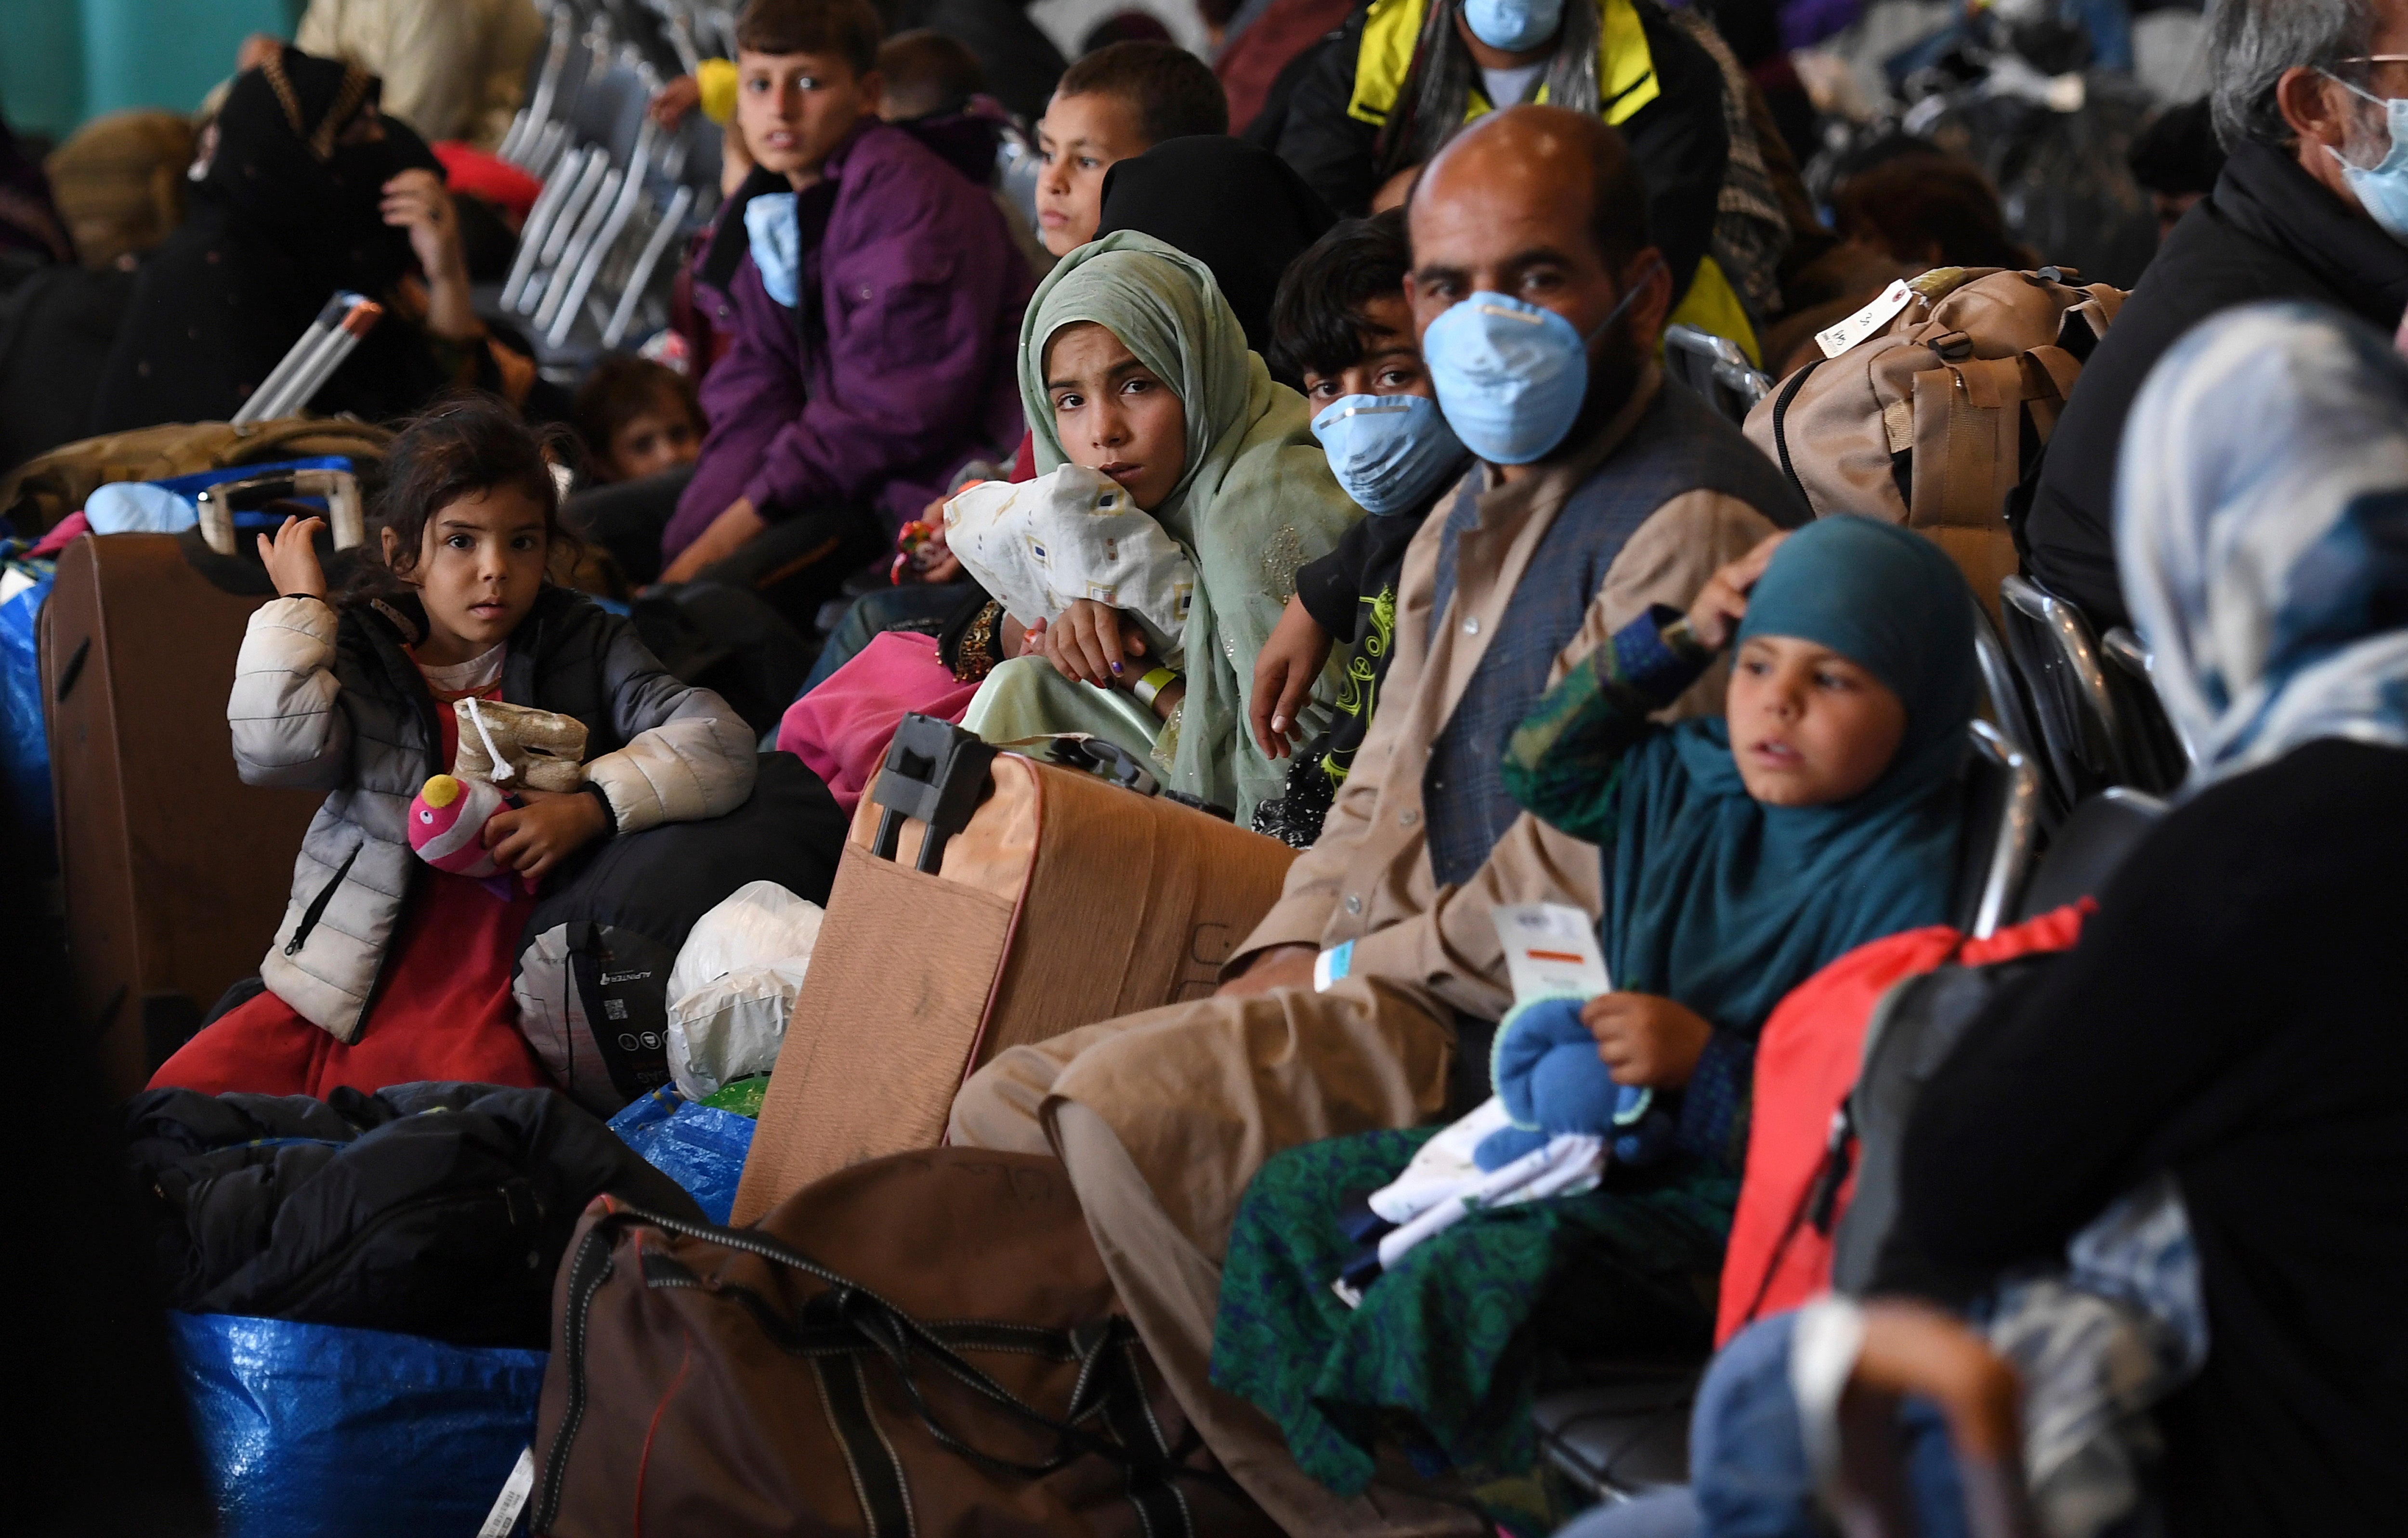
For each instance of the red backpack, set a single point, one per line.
(1807, 1061)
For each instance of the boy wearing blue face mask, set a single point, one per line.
(1341, 324)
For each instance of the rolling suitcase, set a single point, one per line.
(986, 899)
(175, 873)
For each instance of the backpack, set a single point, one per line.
(925, 1344)
(1836, 1069)
(593, 973)
(425, 1209)
(1933, 404)
(45, 489)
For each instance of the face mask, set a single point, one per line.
(1513, 25)
(1389, 452)
(777, 244)
(1512, 377)
(2382, 191)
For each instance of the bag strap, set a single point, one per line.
(1780, 430)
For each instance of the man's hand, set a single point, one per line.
(553, 825)
(1278, 966)
(725, 535)
(672, 102)
(1086, 644)
(256, 51)
(1722, 603)
(1913, 1348)
(292, 560)
(1285, 670)
(1646, 1040)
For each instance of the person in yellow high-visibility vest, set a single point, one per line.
(1401, 75)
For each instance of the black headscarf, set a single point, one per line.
(281, 169)
(286, 215)
(1235, 206)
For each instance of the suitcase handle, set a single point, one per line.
(935, 773)
(341, 489)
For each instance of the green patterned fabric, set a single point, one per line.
(1446, 1350)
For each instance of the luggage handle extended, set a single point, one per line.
(341, 489)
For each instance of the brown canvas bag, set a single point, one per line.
(925, 1346)
(45, 489)
(1063, 899)
(1935, 416)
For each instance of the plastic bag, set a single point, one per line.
(25, 750)
(701, 1147)
(312, 1431)
(734, 987)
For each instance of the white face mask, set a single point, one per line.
(2382, 190)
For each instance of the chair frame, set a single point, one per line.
(1716, 368)
(2007, 865)
(2052, 647)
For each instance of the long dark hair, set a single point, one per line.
(1438, 82)
(467, 444)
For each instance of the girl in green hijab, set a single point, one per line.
(1132, 364)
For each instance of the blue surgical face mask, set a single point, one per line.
(1513, 25)
(1389, 452)
(1510, 376)
(2382, 191)
(777, 244)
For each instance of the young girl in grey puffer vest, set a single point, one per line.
(386, 970)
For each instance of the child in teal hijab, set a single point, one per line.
(1742, 854)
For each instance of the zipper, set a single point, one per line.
(1780, 428)
(318, 903)
(327, 1264)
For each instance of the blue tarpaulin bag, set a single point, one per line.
(24, 751)
(312, 1431)
(701, 1147)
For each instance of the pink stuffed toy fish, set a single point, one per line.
(447, 828)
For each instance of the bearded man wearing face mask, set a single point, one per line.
(1364, 1000)
(2311, 102)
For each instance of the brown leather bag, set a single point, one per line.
(1935, 417)
(44, 489)
(925, 1346)
(1059, 899)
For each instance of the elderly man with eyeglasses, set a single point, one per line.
(2311, 102)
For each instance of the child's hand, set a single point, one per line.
(672, 102)
(1087, 644)
(1646, 1040)
(1284, 669)
(292, 559)
(1722, 603)
(533, 839)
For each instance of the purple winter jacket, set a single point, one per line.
(897, 367)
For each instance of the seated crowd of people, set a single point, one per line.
(1327, 466)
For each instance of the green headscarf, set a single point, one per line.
(1255, 501)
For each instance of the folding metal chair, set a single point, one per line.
(1716, 369)
(2131, 679)
(2055, 653)
(2003, 801)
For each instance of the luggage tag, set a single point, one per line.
(1550, 952)
(515, 1491)
(1855, 328)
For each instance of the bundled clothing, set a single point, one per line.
(329, 698)
(1163, 1118)
(1254, 501)
(2267, 231)
(2228, 1016)
(287, 215)
(1713, 899)
(889, 365)
(415, 1210)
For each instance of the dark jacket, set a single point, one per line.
(1679, 139)
(2269, 231)
(898, 364)
(428, 1209)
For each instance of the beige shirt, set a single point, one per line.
(1368, 879)
(452, 69)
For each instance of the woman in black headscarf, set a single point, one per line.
(307, 189)
(1235, 206)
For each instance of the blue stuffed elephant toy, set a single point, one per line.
(1546, 1071)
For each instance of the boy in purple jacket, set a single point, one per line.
(875, 297)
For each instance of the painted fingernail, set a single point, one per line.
(1116, 667)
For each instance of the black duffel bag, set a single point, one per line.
(592, 972)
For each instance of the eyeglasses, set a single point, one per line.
(2376, 59)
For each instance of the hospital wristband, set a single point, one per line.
(1150, 688)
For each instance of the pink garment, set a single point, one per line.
(61, 533)
(840, 730)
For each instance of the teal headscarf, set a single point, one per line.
(1725, 903)
(1256, 500)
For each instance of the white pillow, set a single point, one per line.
(1073, 533)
